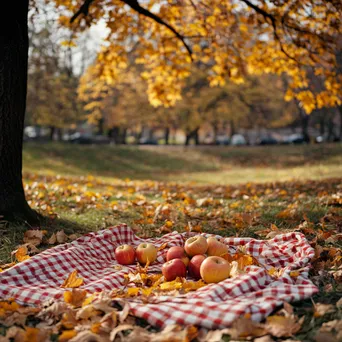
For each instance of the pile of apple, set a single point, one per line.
(201, 257)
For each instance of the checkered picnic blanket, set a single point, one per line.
(214, 306)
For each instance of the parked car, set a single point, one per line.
(80, 138)
(148, 141)
(222, 140)
(267, 141)
(238, 140)
(295, 139)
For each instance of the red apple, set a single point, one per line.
(146, 252)
(177, 252)
(173, 269)
(195, 265)
(196, 245)
(125, 255)
(215, 247)
(215, 269)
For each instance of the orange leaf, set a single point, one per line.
(72, 281)
(67, 335)
(75, 297)
(21, 254)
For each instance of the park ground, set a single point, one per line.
(233, 191)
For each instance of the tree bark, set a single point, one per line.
(305, 125)
(52, 132)
(192, 135)
(167, 135)
(123, 135)
(340, 111)
(13, 88)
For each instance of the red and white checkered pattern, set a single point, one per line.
(214, 306)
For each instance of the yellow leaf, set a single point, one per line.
(163, 246)
(171, 285)
(75, 297)
(72, 281)
(294, 274)
(146, 292)
(95, 328)
(133, 291)
(67, 335)
(193, 285)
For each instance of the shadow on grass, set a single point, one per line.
(112, 161)
(12, 235)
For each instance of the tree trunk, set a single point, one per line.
(340, 110)
(52, 132)
(305, 125)
(167, 135)
(59, 134)
(13, 87)
(123, 135)
(215, 131)
(232, 128)
(322, 125)
(192, 135)
(331, 134)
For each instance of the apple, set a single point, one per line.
(215, 269)
(195, 265)
(125, 254)
(177, 252)
(173, 269)
(146, 252)
(196, 245)
(215, 247)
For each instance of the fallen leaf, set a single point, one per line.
(21, 253)
(52, 240)
(72, 237)
(75, 297)
(118, 329)
(323, 309)
(61, 236)
(72, 281)
(281, 326)
(67, 335)
(34, 237)
(163, 246)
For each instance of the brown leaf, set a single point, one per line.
(72, 281)
(61, 236)
(52, 240)
(34, 237)
(72, 237)
(323, 309)
(118, 329)
(281, 326)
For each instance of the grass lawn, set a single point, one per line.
(250, 191)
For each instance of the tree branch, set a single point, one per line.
(134, 4)
(267, 15)
(84, 9)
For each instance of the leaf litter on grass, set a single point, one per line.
(154, 208)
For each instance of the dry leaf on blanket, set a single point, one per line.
(72, 281)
